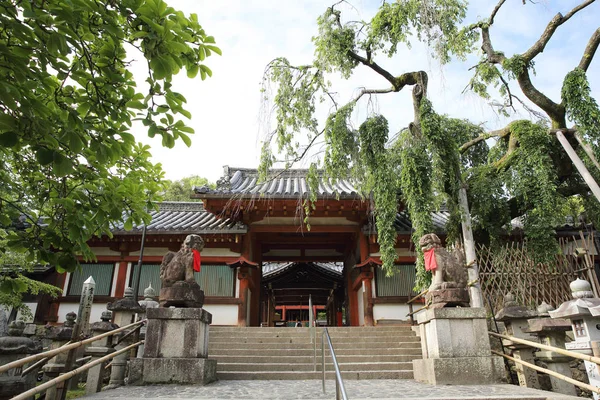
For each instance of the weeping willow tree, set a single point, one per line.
(517, 171)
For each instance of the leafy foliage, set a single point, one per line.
(180, 190)
(518, 171)
(69, 163)
(14, 281)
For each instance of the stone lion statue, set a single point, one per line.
(176, 267)
(449, 269)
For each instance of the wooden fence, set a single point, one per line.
(511, 269)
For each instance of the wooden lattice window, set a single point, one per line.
(214, 279)
(401, 283)
(102, 274)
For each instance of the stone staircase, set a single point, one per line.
(287, 353)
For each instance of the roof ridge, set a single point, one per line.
(181, 206)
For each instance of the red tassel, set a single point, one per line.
(196, 260)
(430, 262)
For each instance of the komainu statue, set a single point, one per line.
(179, 288)
(449, 281)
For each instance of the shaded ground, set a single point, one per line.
(312, 389)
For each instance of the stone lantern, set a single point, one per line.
(148, 302)
(59, 336)
(123, 311)
(552, 332)
(585, 325)
(99, 349)
(515, 319)
(14, 347)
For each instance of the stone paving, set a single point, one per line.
(312, 389)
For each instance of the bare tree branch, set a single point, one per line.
(557, 21)
(590, 50)
(500, 133)
(374, 66)
(495, 11)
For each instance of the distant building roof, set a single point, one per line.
(271, 269)
(282, 183)
(184, 217)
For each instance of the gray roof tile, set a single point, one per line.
(282, 183)
(184, 217)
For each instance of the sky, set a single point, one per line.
(226, 108)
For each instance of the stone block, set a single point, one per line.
(177, 333)
(198, 371)
(454, 332)
(459, 370)
(182, 294)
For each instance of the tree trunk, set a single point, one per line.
(467, 230)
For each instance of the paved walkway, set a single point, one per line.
(311, 389)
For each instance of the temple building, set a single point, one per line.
(261, 263)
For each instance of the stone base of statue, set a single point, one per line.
(182, 294)
(176, 348)
(452, 297)
(456, 348)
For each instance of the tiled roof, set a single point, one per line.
(282, 183)
(273, 268)
(439, 219)
(184, 217)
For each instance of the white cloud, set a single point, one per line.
(226, 107)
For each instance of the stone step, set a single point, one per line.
(228, 351)
(287, 359)
(303, 340)
(332, 330)
(309, 367)
(306, 334)
(344, 345)
(285, 375)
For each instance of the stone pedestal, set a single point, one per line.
(12, 348)
(456, 348)
(176, 349)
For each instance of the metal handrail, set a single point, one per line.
(68, 375)
(339, 382)
(52, 353)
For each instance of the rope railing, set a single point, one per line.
(70, 374)
(62, 349)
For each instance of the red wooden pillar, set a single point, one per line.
(121, 279)
(368, 298)
(366, 278)
(244, 276)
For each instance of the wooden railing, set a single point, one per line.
(410, 302)
(558, 350)
(44, 357)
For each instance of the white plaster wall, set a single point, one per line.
(390, 311)
(66, 308)
(361, 306)
(223, 314)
